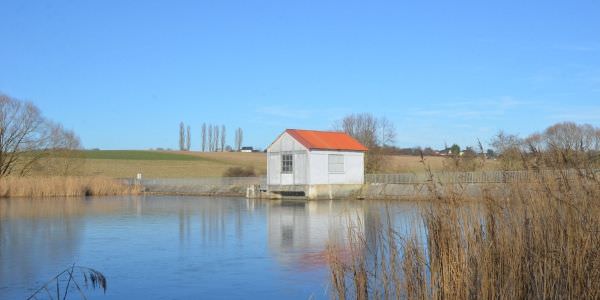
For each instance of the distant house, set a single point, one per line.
(445, 152)
(247, 149)
(448, 151)
(299, 160)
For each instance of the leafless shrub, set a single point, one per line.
(240, 172)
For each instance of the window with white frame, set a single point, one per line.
(287, 163)
(336, 163)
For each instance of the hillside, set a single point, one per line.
(155, 164)
(184, 164)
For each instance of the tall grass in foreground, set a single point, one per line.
(63, 186)
(531, 240)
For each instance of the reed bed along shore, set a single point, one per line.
(538, 239)
(63, 186)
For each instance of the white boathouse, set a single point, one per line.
(310, 163)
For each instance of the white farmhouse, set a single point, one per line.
(315, 164)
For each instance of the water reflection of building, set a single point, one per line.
(213, 219)
(299, 231)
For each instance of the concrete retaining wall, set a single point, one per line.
(383, 191)
(326, 191)
(200, 190)
(420, 191)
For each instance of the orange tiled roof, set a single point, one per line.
(326, 140)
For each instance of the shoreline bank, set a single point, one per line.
(67, 186)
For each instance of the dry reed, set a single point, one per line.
(533, 240)
(63, 186)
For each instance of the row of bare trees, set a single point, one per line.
(566, 144)
(28, 141)
(184, 137)
(239, 139)
(376, 133)
(213, 138)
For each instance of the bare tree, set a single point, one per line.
(372, 132)
(203, 137)
(508, 147)
(65, 157)
(181, 136)
(223, 138)
(387, 132)
(188, 141)
(210, 138)
(235, 140)
(571, 144)
(26, 137)
(362, 127)
(216, 138)
(569, 136)
(241, 142)
(239, 137)
(21, 132)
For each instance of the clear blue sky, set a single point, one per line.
(123, 74)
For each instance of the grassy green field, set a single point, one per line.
(190, 164)
(161, 164)
(164, 164)
(138, 155)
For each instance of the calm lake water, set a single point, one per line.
(165, 247)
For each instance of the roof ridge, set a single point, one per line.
(329, 131)
(326, 140)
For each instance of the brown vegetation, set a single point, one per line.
(413, 164)
(531, 240)
(63, 186)
(538, 241)
(239, 172)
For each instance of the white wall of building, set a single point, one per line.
(311, 167)
(353, 168)
(287, 144)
